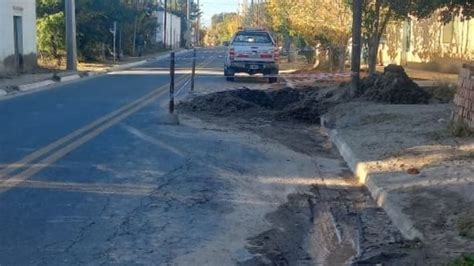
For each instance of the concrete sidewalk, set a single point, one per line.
(421, 175)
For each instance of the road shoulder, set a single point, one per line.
(31, 83)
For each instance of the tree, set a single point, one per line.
(94, 20)
(448, 8)
(324, 23)
(50, 27)
(48, 7)
(278, 12)
(330, 26)
(223, 26)
(51, 37)
(376, 16)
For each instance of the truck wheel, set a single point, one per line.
(273, 76)
(272, 79)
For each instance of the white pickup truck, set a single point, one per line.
(252, 51)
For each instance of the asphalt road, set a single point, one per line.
(81, 182)
(92, 173)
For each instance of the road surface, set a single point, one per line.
(92, 173)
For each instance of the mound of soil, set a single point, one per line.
(305, 105)
(227, 102)
(393, 86)
(308, 108)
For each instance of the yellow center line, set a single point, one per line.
(100, 126)
(24, 162)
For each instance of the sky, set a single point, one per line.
(212, 7)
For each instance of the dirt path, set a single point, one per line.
(327, 217)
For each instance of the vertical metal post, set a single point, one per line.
(120, 53)
(71, 47)
(172, 67)
(193, 73)
(356, 45)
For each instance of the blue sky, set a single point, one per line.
(211, 7)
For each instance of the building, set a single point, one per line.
(173, 29)
(18, 33)
(429, 44)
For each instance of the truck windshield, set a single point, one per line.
(252, 37)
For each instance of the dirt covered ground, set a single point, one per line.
(412, 157)
(334, 221)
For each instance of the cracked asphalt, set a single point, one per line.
(138, 192)
(126, 196)
(92, 173)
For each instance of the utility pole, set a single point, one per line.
(120, 53)
(114, 33)
(134, 44)
(165, 31)
(188, 23)
(258, 12)
(71, 46)
(171, 31)
(198, 32)
(356, 44)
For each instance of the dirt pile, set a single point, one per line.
(305, 105)
(227, 102)
(393, 86)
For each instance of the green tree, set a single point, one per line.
(94, 20)
(48, 7)
(223, 26)
(278, 12)
(51, 39)
(448, 8)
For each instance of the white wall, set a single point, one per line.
(173, 29)
(430, 45)
(27, 10)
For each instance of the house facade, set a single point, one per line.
(18, 34)
(429, 44)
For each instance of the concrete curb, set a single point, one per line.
(69, 78)
(382, 197)
(126, 66)
(90, 74)
(142, 62)
(36, 85)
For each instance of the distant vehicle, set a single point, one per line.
(252, 51)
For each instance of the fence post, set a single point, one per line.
(194, 70)
(172, 71)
